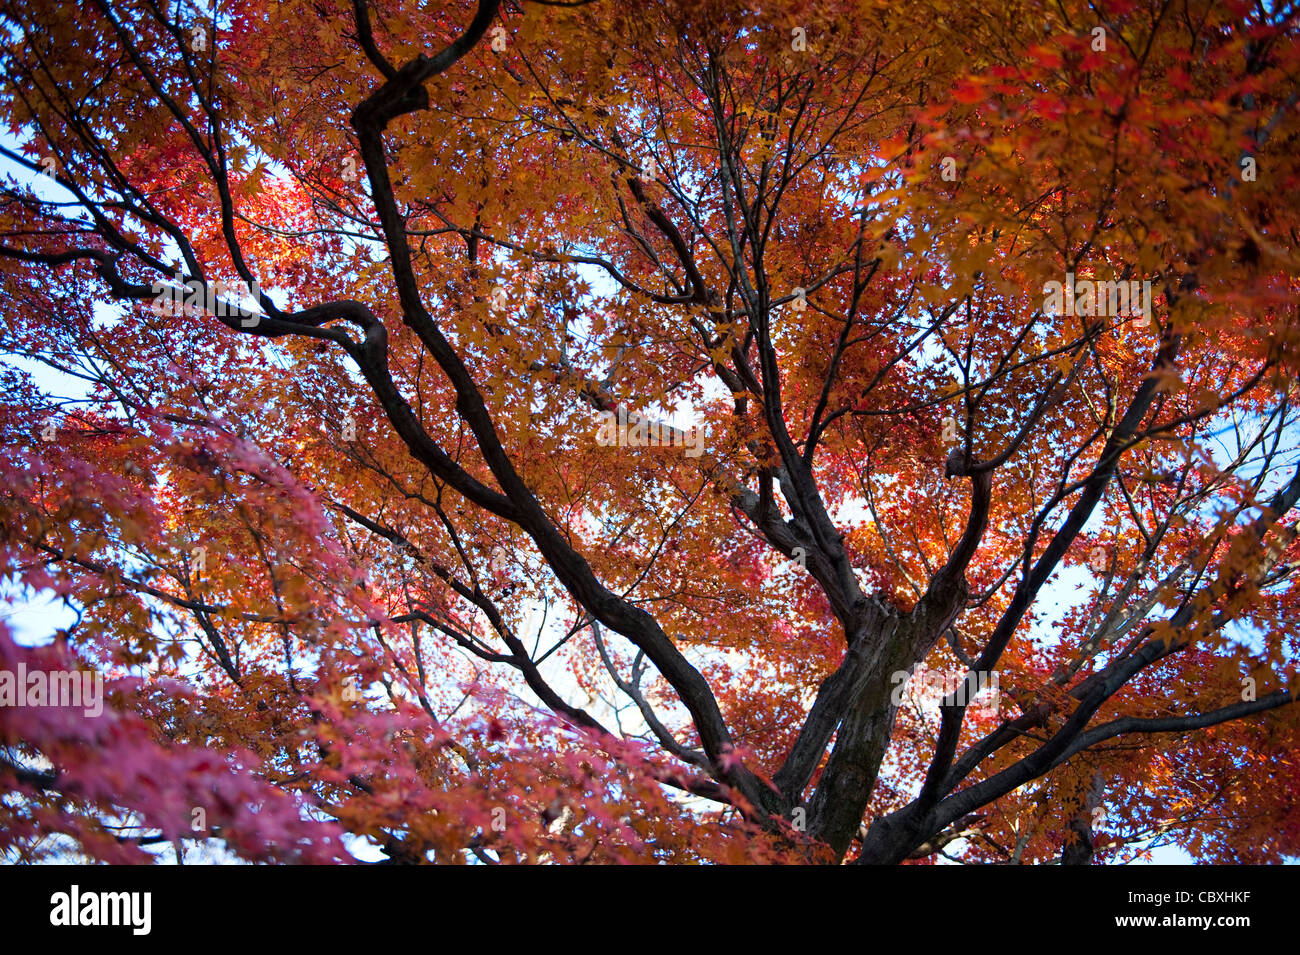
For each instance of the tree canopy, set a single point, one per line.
(676, 431)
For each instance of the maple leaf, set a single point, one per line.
(886, 438)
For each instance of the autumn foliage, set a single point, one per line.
(359, 577)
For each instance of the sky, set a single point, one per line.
(35, 618)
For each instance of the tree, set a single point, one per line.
(973, 533)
